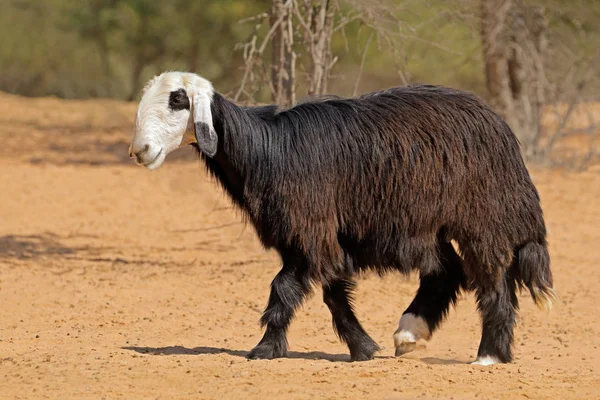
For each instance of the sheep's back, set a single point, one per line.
(405, 159)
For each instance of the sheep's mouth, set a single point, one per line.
(149, 163)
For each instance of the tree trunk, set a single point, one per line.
(283, 57)
(139, 62)
(513, 47)
(321, 23)
(100, 37)
(494, 14)
(193, 54)
(136, 73)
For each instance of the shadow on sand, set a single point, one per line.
(441, 361)
(312, 355)
(181, 350)
(32, 246)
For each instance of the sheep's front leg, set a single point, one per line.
(337, 296)
(288, 290)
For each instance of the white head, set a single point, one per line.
(174, 111)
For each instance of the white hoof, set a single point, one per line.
(410, 329)
(486, 360)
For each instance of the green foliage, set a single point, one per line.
(109, 48)
(437, 42)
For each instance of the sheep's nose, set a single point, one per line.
(138, 154)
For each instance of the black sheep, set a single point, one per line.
(384, 181)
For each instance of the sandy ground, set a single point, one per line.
(117, 282)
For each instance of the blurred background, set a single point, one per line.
(535, 61)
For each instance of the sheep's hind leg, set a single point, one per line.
(432, 301)
(337, 295)
(497, 304)
(288, 290)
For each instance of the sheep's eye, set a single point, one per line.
(178, 100)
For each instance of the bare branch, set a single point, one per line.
(345, 21)
(362, 64)
(260, 16)
(270, 33)
(304, 24)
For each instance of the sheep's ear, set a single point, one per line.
(203, 125)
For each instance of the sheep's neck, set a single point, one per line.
(241, 134)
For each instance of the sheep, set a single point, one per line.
(387, 181)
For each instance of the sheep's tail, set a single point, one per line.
(532, 270)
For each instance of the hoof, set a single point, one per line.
(265, 352)
(405, 347)
(486, 360)
(410, 330)
(364, 354)
(364, 350)
(361, 357)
